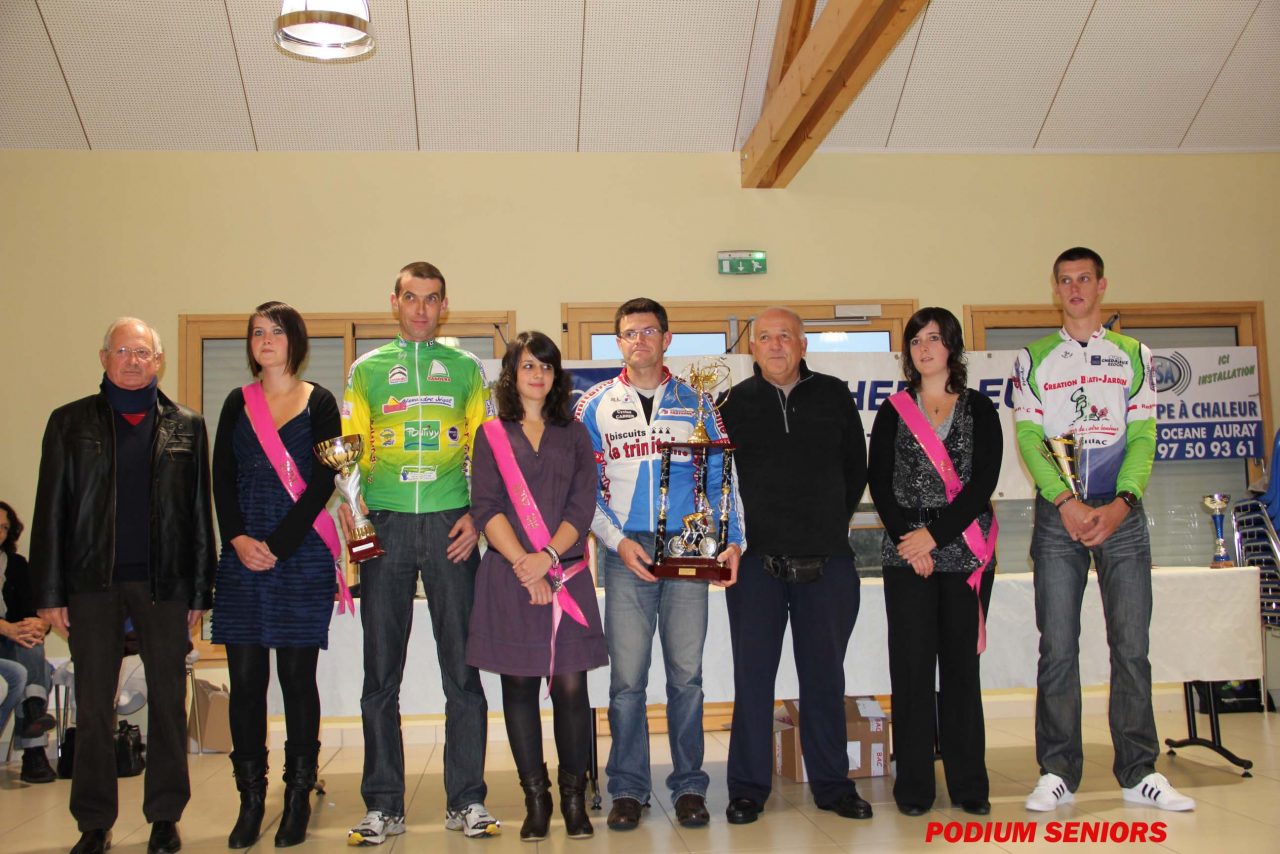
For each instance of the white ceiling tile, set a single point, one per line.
(664, 75)
(35, 107)
(501, 75)
(155, 75)
(866, 124)
(985, 72)
(1243, 107)
(297, 104)
(1140, 72)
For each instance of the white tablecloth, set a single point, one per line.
(1204, 626)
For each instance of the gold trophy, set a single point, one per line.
(1216, 504)
(342, 454)
(691, 553)
(1063, 452)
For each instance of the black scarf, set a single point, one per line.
(130, 401)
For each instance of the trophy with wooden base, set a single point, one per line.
(342, 453)
(1217, 504)
(691, 553)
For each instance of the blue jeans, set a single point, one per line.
(1123, 561)
(38, 682)
(415, 544)
(632, 610)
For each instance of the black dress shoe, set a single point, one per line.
(625, 814)
(164, 838)
(976, 807)
(93, 842)
(850, 805)
(691, 810)
(912, 809)
(743, 811)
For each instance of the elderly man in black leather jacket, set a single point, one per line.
(123, 531)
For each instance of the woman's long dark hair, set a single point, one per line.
(10, 544)
(952, 339)
(555, 409)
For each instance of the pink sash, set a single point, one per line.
(255, 403)
(983, 549)
(536, 530)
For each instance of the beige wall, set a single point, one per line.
(85, 237)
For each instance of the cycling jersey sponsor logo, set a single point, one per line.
(417, 474)
(624, 414)
(387, 437)
(394, 404)
(422, 436)
(453, 434)
(1086, 411)
(346, 409)
(1111, 361)
(397, 375)
(677, 413)
(1171, 373)
(437, 373)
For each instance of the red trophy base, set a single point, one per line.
(692, 569)
(1218, 564)
(365, 548)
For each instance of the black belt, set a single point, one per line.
(795, 569)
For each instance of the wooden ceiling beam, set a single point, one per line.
(834, 62)
(795, 20)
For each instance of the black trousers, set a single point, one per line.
(97, 647)
(822, 615)
(933, 629)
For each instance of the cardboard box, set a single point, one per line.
(866, 730)
(212, 707)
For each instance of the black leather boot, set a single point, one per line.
(537, 805)
(300, 767)
(251, 782)
(572, 805)
(36, 718)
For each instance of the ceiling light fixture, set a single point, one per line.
(324, 29)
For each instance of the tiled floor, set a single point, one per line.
(1234, 814)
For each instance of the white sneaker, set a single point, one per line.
(1050, 793)
(1154, 791)
(474, 821)
(375, 827)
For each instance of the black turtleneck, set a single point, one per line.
(133, 416)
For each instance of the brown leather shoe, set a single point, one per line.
(691, 810)
(625, 814)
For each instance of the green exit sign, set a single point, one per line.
(742, 262)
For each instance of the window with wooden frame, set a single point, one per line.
(585, 324)
(214, 361)
(1177, 521)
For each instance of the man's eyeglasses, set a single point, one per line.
(636, 334)
(142, 354)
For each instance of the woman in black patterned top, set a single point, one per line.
(933, 613)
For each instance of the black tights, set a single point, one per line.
(571, 717)
(250, 671)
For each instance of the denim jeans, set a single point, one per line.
(415, 544)
(1123, 561)
(632, 610)
(37, 685)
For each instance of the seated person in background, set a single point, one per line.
(22, 646)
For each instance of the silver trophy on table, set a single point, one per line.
(1217, 504)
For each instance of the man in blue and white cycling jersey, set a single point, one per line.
(629, 418)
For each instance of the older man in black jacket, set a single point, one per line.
(802, 466)
(123, 531)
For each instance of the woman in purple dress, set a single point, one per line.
(528, 599)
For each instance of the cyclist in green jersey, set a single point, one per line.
(418, 403)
